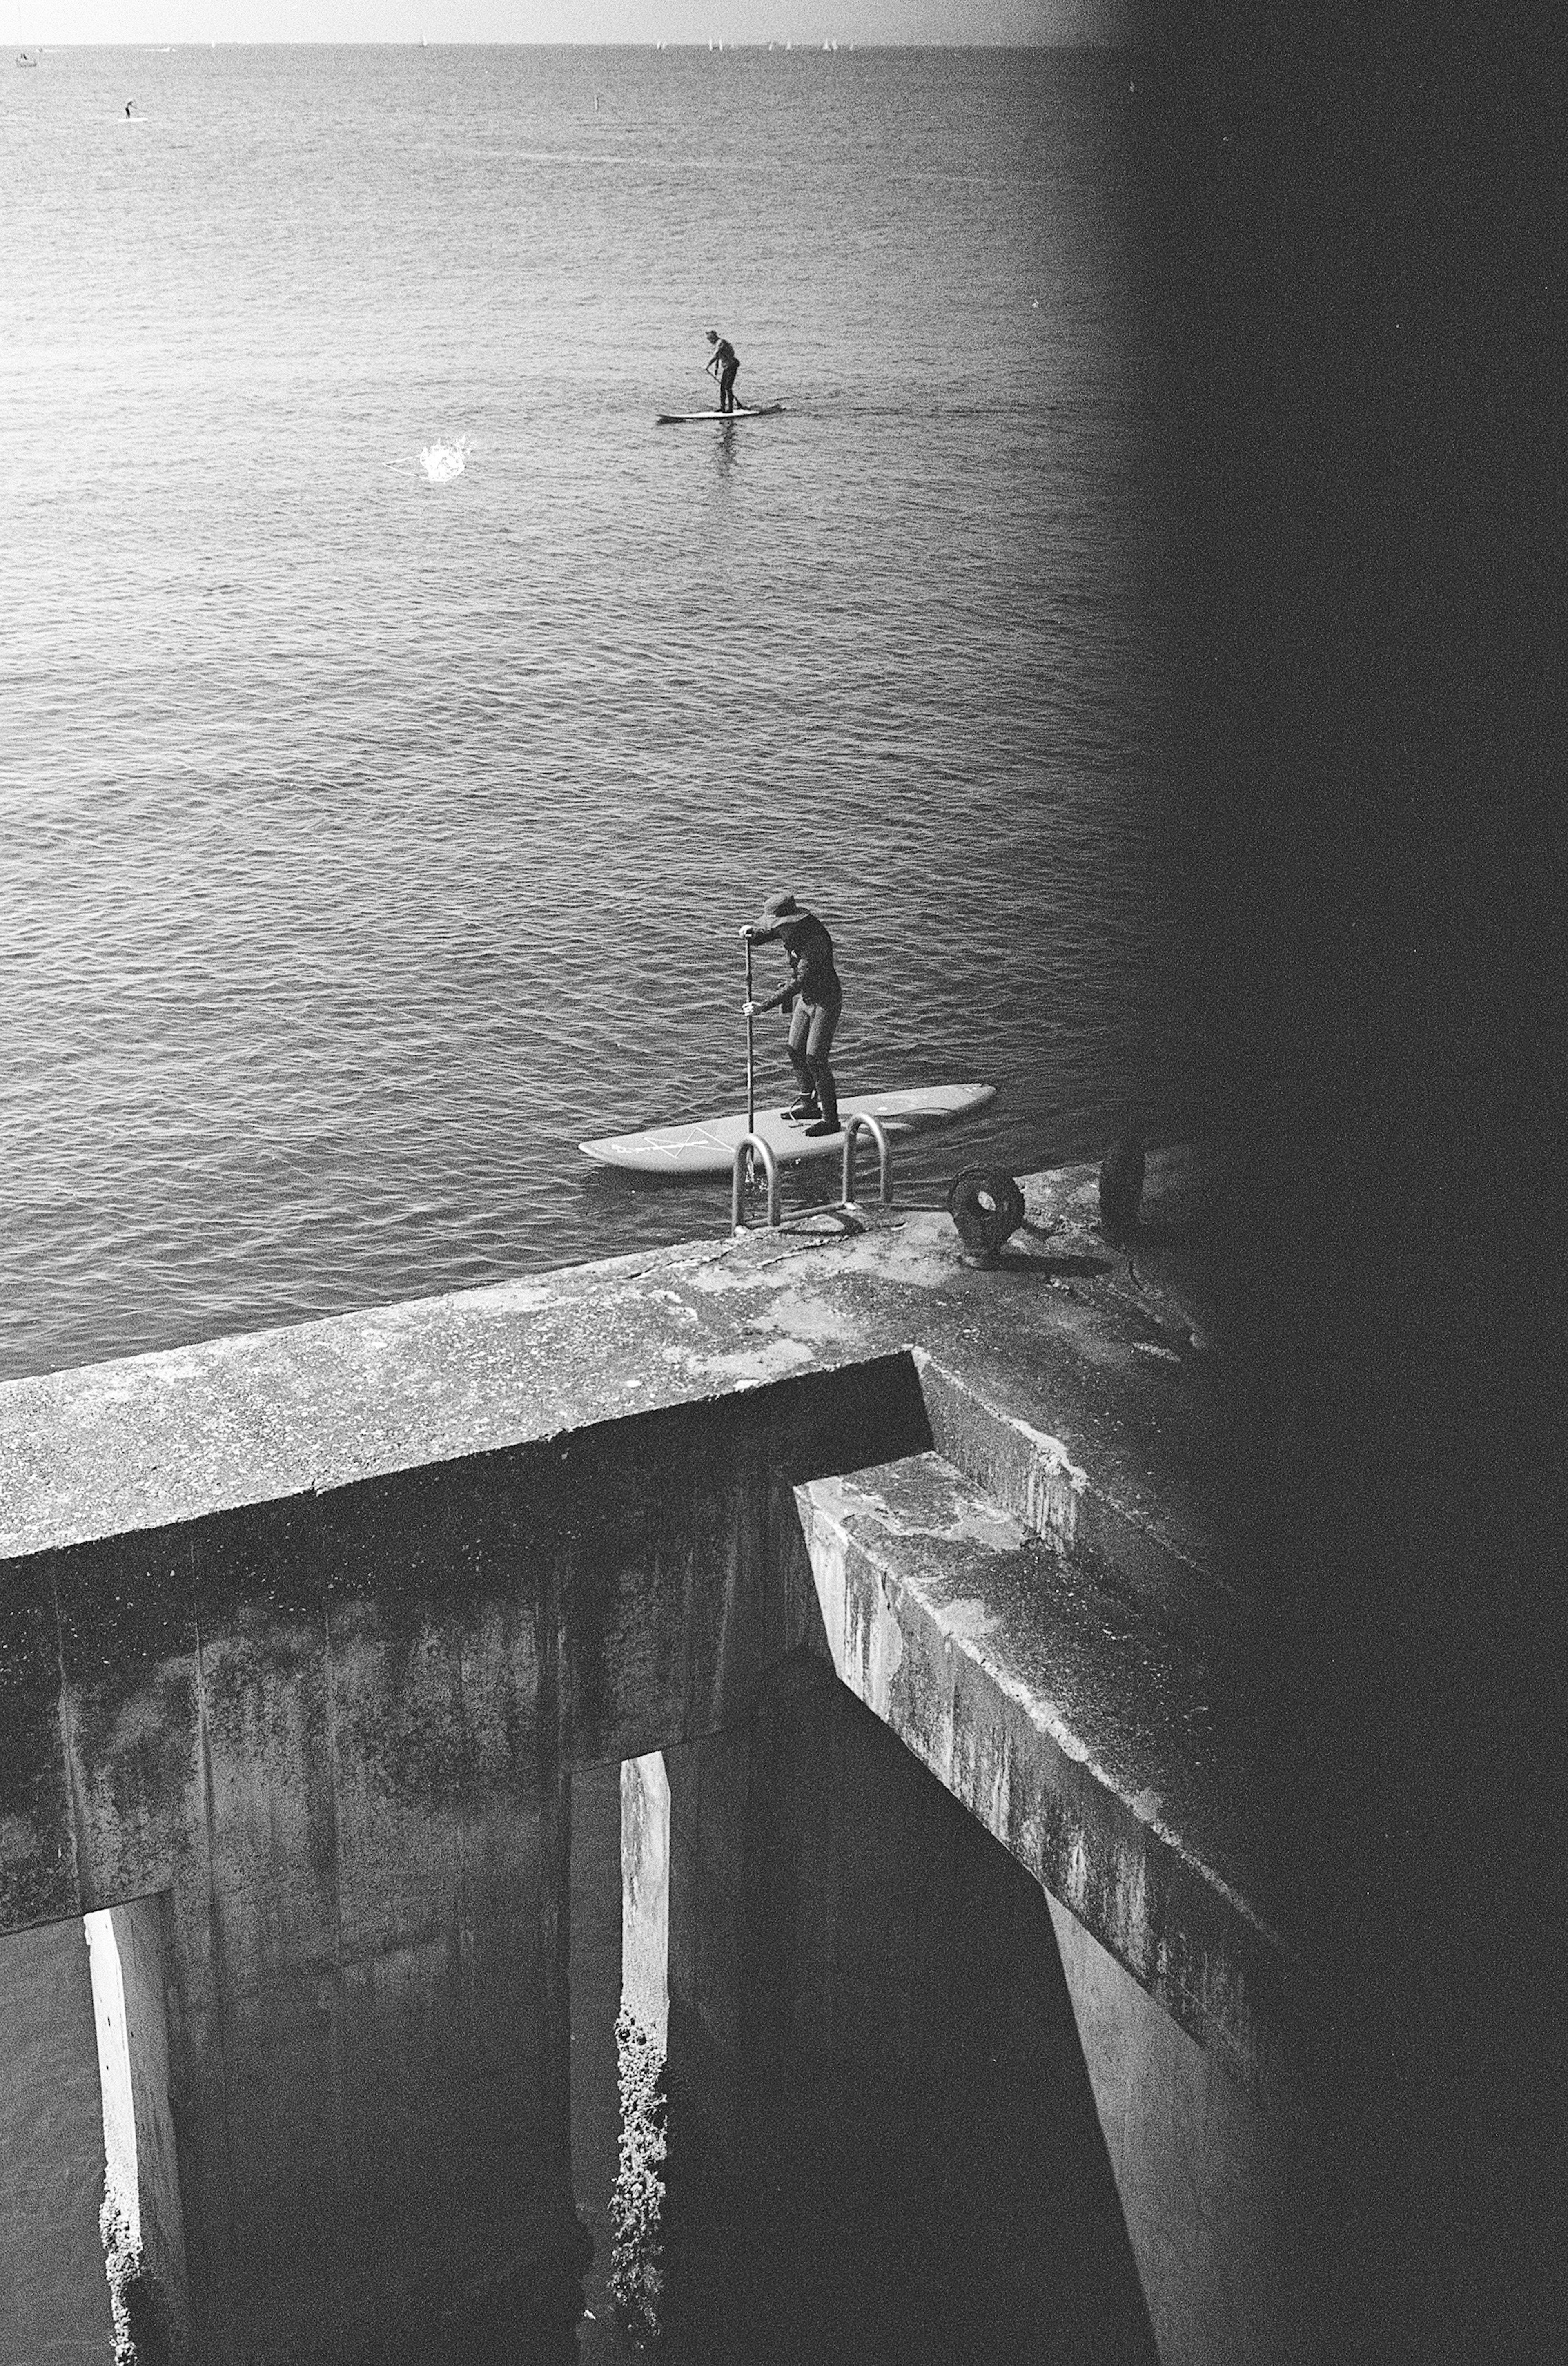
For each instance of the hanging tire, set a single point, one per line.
(987, 1207)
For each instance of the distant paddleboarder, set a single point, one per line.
(815, 998)
(723, 364)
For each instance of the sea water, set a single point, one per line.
(396, 725)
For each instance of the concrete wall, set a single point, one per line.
(339, 1733)
(871, 2023)
(1209, 2138)
(595, 2004)
(323, 1741)
(54, 2296)
(870, 1999)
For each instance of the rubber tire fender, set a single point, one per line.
(987, 1207)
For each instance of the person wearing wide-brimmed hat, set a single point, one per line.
(813, 997)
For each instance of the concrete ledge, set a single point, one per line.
(1058, 1335)
(1079, 1735)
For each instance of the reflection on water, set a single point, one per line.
(442, 462)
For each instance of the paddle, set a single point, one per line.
(750, 1066)
(750, 1070)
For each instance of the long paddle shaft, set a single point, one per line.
(750, 1069)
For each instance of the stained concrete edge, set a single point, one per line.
(109, 1449)
(1072, 1731)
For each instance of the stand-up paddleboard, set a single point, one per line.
(708, 1145)
(741, 410)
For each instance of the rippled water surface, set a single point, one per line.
(395, 725)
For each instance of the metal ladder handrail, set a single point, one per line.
(748, 1142)
(857, 1125)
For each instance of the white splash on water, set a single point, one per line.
(442, 462)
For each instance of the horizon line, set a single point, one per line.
(459, 42)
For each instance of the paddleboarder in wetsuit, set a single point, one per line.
(815, 996)
(723, 364)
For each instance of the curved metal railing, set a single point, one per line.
(857, 1125)
(753, 1145)
(749, 1142)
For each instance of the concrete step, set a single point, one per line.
(1084, 1734)
(1155, 1563)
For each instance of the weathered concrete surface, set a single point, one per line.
(1064, 1327)
(1073, 1729)
(339, 1733)
(870, 2024)
(596, 1974)
(308, 1630)
(867, 1993)
(55, 2294)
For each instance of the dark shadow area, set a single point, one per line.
(883, 2146)
(1149, 1232)
(1022, 1263)
(524, 2317)
(1350, 227)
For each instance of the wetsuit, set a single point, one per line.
(818, 999)
(724, 366)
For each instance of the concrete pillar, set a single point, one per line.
(55, 2294)
(868, 2002)
(143, 2222)
(638, 2209)
(596, 2007)
(708, 1921)
(1204, 2174)
(345, 1792)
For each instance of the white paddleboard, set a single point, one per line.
(741, 410)
(707, 1145)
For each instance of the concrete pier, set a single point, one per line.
(306, 1635)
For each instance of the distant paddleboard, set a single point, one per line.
(741, 410)
(707, 1145)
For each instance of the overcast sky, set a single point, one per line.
(57, 22)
